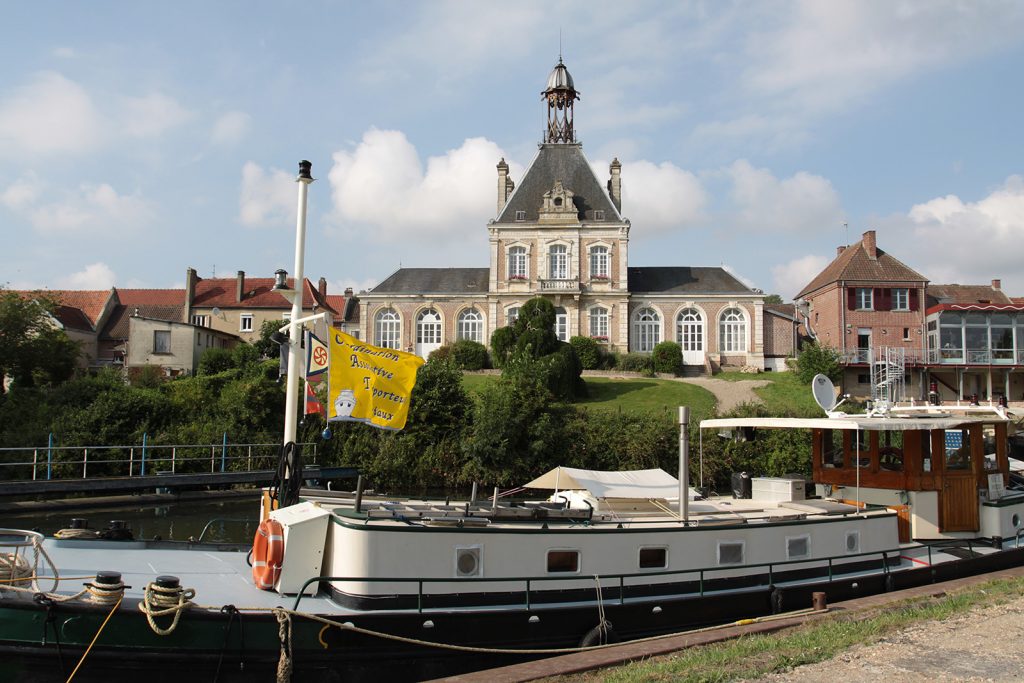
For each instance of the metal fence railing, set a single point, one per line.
(84, 462)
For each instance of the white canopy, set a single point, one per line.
(656, 483)
(853, 422)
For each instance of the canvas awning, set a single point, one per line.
(643, 484)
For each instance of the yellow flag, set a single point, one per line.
(368, 383)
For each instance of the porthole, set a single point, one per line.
(852, 541)
(468, 561)
(563, 561)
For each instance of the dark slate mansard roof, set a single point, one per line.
(564, 162)
(435, 281)
(685, 279)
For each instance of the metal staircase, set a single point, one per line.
(888, 369)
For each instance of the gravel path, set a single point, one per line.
(729, 394)
(983, 644)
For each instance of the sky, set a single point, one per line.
(140, 139)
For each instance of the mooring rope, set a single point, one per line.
(15, 568)
(284, 634)
(96, 637)
(159, 601)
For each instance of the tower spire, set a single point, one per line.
(561, 96)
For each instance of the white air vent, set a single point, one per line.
(469, 561)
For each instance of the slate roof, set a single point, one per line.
(565, 162)
(966, 294)
(435, 281)
(784, 310)
(259, 293)
(684, 279)
(855, 264)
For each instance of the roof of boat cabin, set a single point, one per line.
(854, 422)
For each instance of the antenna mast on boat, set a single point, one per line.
(291, 410)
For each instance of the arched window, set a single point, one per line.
(470, 326)
(690, 330)
(599, 323)
(558, 259)
(517, 263)
(599, 263)
(387, 329)
(732, 336)
(646, 330)
(511, 314)
(428, 327)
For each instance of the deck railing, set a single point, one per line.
(606, 581)
(84, 462)
(944, 356)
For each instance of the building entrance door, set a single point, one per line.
(958, 486)
(690, 328)
(428, 332)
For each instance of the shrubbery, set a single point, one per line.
(502, 341)
(817, 359)
(636, 362)
(668, 357)
(588, 351)
(469, 355)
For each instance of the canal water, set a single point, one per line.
(234, 520)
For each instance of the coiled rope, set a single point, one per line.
(15, 569)
(159, 601)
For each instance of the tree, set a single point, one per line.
(668, 357)
(32, 347)
(816, 359)
(773, 299)
(266, 346)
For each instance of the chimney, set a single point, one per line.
(615, 183)
(322, 288)
(869, 245)
(997, 284)
(840, 249)
(240, 286)
(505, 184)
(348, 293)
(190, 293)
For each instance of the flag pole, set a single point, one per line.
(291, 409)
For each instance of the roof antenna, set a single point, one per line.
(846, 232)
(559, 44)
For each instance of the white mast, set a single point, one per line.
(295, 330)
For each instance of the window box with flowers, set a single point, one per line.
(600, 277)
(516, 277)
(603, 338)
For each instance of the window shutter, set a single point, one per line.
(886, 300)
(913, 299)
(851, 298)
(878, 297)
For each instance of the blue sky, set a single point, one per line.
(138, 139)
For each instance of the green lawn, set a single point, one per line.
(641, 394)
(786, 395)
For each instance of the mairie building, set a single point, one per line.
(560, 233)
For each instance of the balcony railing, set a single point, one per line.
(567, 285)
(945, 356)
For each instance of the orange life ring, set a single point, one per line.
(267, 554)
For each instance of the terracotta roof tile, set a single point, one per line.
(88, 302)
(965, 294)
(259, 293)
(151, 297)
(855, 264)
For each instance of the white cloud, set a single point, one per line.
(801, 204)
(93, 276)
(50, 115)
(152, 114)
(92, 209)
(788, 279)
(267, 197)
(231, 128)
(22, 193)
(382, 183)
(965, 242)
(65, 53)
(659, 197)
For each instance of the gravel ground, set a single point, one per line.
(983, 644)
(729, 394)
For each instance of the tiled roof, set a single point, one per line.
(564, 162)
(337, 302)
(258, 293)
(435, 281)
(77, 308)
(684, 279)
(965, 294)
(151, 297)
(855, 264)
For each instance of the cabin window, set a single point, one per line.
(798, 547)
(861, 449)
(852, 542)
(469, 561)
(563, 561)
(989, 442)
(653, 558)
(926, 451)
(958, 449)
(831, 448)
(890, 451)
(730, 552)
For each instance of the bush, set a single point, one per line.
(668, 357)
(588, 351)
(215, 360)
(502, 341)
(636, 362)
(469, 355)
(816, 359)
(440, 354)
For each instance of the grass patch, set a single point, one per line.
(639, 395)
(759, 655)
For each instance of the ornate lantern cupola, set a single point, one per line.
(560, 95)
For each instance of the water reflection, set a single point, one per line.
(234, 520)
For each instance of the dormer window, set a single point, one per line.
(598, 215)
(558, 201)
(520, 215)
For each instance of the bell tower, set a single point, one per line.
(561, 96)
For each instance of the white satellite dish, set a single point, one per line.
(824, 392)
(216, 312)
